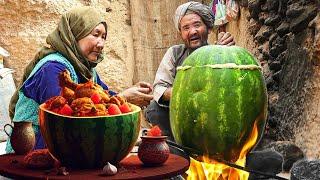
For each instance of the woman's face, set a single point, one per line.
(92, 45)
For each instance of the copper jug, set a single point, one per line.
(22, 137)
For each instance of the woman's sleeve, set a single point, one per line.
(44, 84)
(104, 86)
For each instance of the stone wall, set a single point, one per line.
(285, 43)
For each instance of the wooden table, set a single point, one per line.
(130, 168)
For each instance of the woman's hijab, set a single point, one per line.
(73, 26)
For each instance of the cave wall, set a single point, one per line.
(285, 35)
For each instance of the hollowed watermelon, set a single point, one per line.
(218, 94)
(89, 142)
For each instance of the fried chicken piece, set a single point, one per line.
(83, 106)
(55, 102)
(121, 99)
(114, 100)
(68, 94)
(100, 110)
(66, 81)
(82, 90)
(88, 89)
(118, 100)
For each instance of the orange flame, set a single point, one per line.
(210, 169)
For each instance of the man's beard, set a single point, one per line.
(194, 48)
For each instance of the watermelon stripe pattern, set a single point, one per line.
(218, 94)
(89, 142)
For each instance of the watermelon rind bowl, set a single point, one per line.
(89, 142)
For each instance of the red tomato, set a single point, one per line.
(113, 109)
(96, 98)
(66, 110)
(154, 131)
(125, 108)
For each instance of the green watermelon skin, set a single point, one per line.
(89, 142)
(213, 111)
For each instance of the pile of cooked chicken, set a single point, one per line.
(87, 99)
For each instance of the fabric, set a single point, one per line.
(232, 10)
(72, 26)
(40, 86)
(34, 87)
(166, 72)
(202, 10)
(24, 102)
(220, 16)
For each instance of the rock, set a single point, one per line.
(282, 8)
(300, 23)
(277, 46)
(290, 152)
(294, 10)
(254, 26)
(254, 9)
(273, 37)
(283, 29)
(272, 5)
(260, 48)
(277, 49)
(273, 99)
(265, 69)
(265, 55)
(263, 34)
(276, 76)
(305, 169)
(264, 8)
(277, 41)
(264, 50)
(243, 3)
(262, 17)
(268, 161)
(273, 20)
(282, 57)
(270, 82)
(275, 66)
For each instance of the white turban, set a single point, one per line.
(202, 10)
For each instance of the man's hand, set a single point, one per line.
(225, 38)
(139, 94)
(167, 94)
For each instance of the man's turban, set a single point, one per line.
(202, 10)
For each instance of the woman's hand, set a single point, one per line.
(139, 94)
(225, 38)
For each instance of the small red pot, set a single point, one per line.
(153, 150)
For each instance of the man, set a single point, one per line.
(194, 21)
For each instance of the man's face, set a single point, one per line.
(193, 31)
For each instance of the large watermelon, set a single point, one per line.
(218, 94)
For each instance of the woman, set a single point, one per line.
(76, 44)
